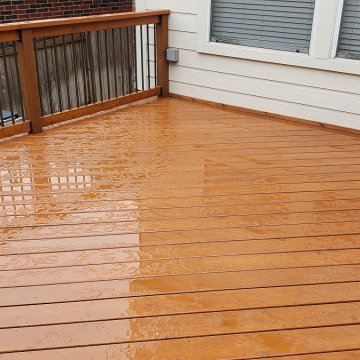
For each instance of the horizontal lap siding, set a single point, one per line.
(318, 95)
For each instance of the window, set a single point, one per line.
(349, 37)
(272, 24)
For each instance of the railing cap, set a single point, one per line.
(79, 20)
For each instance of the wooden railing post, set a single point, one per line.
(162, 39)
(29, 82)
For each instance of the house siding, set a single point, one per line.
(311, 94)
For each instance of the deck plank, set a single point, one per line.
(240, 347)
(13, 207)
(132, 252)
(177, 326)
(130, 260)
(179, 230)
(182, 213)
(185, 303)
(177, 284)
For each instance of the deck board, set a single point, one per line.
(177, 230)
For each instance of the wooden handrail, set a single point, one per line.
(24, 34)
(37, 24)
(64, 28)
(9, 35)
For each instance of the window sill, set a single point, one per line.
(280, 57)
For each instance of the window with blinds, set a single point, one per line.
(349, 38)
(272, 24)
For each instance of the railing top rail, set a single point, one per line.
(85, 20)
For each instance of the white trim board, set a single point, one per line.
(339, 11)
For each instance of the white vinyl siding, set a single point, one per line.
(349, 38)
(273, 24)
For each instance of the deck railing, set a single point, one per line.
(57, 70)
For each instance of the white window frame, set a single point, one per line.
(323, 45)
(339, 11)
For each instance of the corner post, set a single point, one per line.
(162, 41)
(29, 81)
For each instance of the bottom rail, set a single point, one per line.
(99, 106)
(13, 130)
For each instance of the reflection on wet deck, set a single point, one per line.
(174, 230)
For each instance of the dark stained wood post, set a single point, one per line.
(162, 39)
(29, 82)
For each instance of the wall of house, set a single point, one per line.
(312, 87)
(21, 10)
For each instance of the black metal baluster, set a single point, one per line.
(2, 123)
(8, 83)
(135, 59)
(92, 67)
(107, 62)
(128, 59)
(58, 83)
(114, 62)
(99, 65)
(121, 63)
(48, 76)
(155, 56)
(75, 70)
(66, 72)
(18, 80)
(87, 68)
(142, 58)
(86, 100)
(38, 77)
(148, 54)
(1, 116)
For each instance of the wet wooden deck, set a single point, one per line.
(176, 230)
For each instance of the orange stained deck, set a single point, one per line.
(175, 230)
